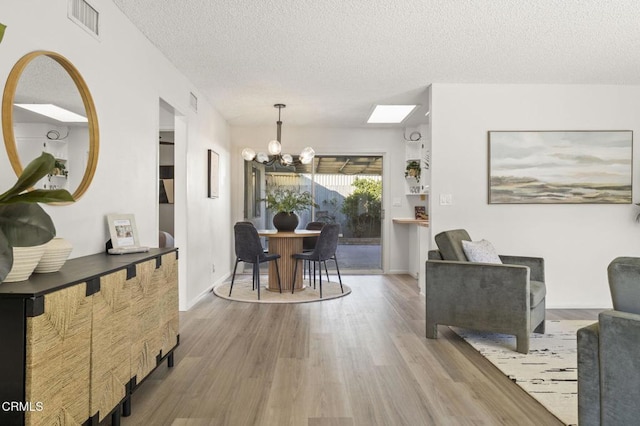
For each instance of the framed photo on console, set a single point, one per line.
(124, 234)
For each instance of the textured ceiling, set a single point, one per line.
(330, 61)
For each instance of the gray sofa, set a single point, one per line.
(609, 354)
(504, 298)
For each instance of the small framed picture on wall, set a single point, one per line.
(214, 174)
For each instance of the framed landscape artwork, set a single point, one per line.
(551, 167)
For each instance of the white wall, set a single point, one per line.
(577, 241)
(127, 76)
(330, 141)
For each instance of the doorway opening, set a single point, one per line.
(166, 164)
(347, 190)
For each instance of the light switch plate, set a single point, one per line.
(446, 199)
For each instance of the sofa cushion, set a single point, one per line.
(450, 244)
(538, 292)
(480, 251)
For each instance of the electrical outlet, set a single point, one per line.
(213, 267)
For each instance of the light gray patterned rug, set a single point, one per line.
(548, 373)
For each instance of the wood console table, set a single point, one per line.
(76, 343)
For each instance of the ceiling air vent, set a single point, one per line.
(83, 14)
(193, 101)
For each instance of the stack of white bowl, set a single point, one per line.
(55, 255)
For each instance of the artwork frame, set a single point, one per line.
(123, 230)
(213, 168)
(560, 167)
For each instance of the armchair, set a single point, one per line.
(504, 298)
(608, 362)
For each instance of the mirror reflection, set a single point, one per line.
(40, 86)
(47, 88)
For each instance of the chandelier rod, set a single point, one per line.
(279, 122)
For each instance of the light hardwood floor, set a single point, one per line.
(359, 360)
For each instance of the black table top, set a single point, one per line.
(75, 271)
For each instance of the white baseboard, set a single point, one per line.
(193, 302)
(398, 271)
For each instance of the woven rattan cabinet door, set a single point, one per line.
(110, 343)
(166, 278)
(146, 336)
(58, 345)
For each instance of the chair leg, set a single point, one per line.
(314, 273)
(278, 273)
(522, 343)
(432, 329)
(256, 267)
(540, 328)
(233, 277)
(339, 277)
(325, 269)
(319, 276)
(295, 272)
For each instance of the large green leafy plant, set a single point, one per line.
(23, 223)
(288, 201)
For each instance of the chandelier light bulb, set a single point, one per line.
(274, 147)
(248, 154)
(287, 159)
(262, 157)
(307, 154)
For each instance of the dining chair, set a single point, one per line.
(308, 244)
(324, 250)
(250, 250)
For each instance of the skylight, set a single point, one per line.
(388, 114)
(55, 112)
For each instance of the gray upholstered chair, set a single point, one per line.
(325, 249)
(504, 298)
(250, 250)
(608, 353)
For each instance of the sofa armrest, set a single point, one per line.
(469, 294)
(589, 375)
(619, 367)
(535, 264)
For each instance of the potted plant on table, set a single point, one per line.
(286, 203)
(23, 223)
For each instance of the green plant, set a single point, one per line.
(413, 170)
(23, 223)
(363, 208)
(59, 168)
(288, 201)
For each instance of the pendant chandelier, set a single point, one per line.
(275, 150)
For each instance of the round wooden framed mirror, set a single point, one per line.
(48, 83)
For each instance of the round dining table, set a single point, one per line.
(286, 244)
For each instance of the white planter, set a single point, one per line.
(55, 255)
(25, 260)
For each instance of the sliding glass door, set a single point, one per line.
(347, 190)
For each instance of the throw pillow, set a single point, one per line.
(480, 251)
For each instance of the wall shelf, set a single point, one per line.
(409, 221)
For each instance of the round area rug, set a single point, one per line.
(242, 292)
